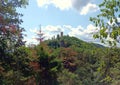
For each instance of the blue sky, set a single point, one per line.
(68, 16)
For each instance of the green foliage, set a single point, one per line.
(107, 72)
(95, 64)
(68, 78)
(49, 67)
(109, 12)
(22, 59)
(10, 43)
(64, 60)
(74, 64)
(67, 41)
(16, 69)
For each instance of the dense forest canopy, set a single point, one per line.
(63, 60)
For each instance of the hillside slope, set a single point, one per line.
(67, 41)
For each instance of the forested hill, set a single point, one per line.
(67, 41)
(84, 63)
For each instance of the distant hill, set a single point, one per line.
(98, 45)
(67, 41)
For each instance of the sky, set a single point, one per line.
(68, 16)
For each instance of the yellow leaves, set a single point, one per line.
(107, 79)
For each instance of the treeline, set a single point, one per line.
(63, 61)
(78, 64)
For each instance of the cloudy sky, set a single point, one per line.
(55, 16)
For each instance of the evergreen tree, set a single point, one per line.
(49, 67)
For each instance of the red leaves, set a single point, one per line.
(69, 59)
(11, 28)
(3, 30)
(1, 19)
(35, 66)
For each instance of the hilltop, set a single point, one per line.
(67, 41)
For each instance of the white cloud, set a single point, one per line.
(31, 40)
(90, 29)
(82, 6)
(89, 8)
(49, 31)
(61, 4)
(79, 4)
(82, 33)
(78, 31)
(54, 29)
(34, 30)
(67, 28)
(42, 3)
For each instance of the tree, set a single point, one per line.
(49, 67)
(20, 69)
(40, 35)
(10, 34)
(108, 68)
(107, 22)
(68, 78)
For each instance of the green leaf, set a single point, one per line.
(96, 36)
